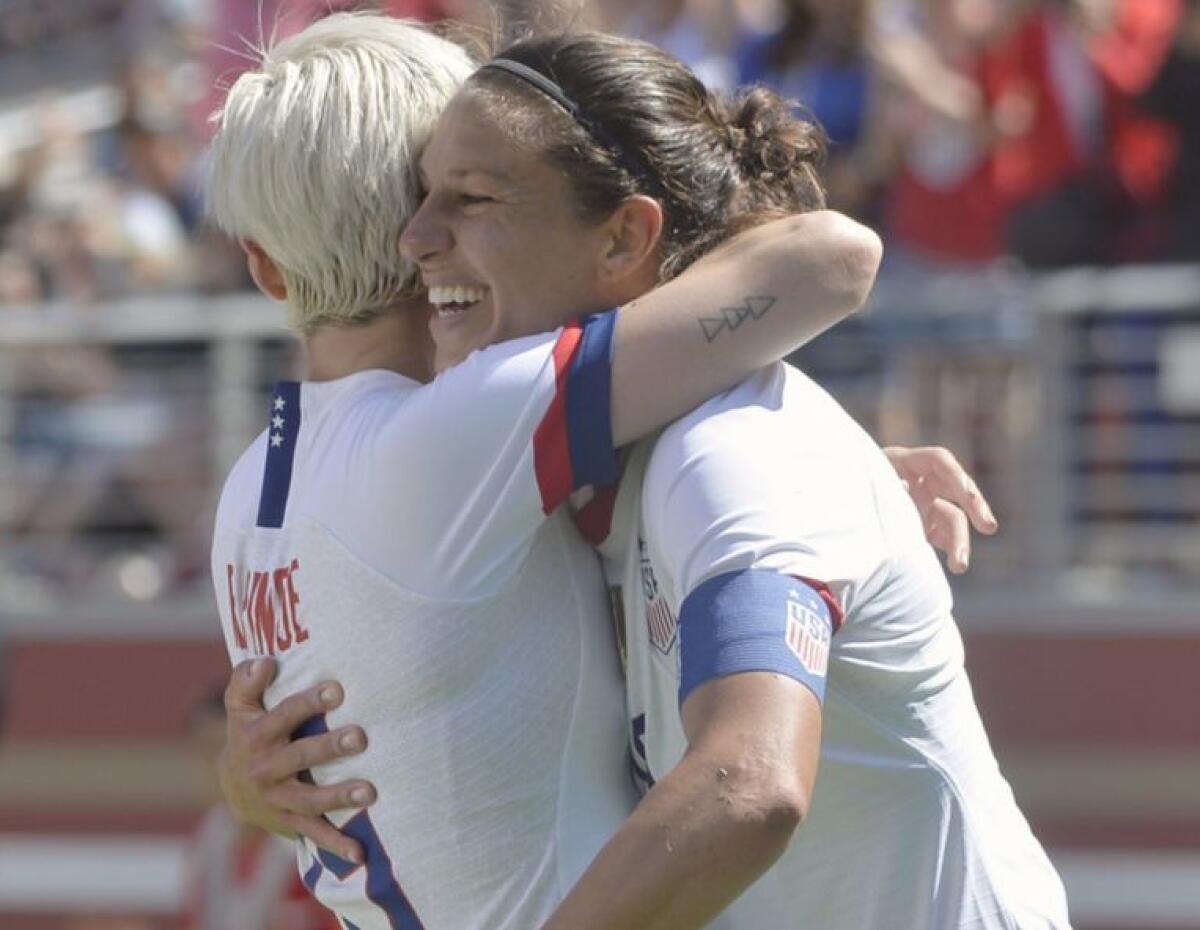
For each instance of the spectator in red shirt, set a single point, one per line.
(1054, 164)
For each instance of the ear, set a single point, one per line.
(630, 251)
(263, 270)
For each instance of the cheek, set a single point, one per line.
(538, 272)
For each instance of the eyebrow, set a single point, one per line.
(457, 174)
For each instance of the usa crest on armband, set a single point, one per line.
(808, 635)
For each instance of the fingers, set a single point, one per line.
(244, 693)
(939, 472)
(947, 479)
(285, 718)
(304, 799)
(259, 752)
(259, 765)
(979, 511)
(946, 529)
(289, 759)
(326, 836)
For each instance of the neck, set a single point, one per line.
(641, 280)
(399, 341)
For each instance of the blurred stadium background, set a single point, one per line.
(1035, 169)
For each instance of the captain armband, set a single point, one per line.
(756, 621)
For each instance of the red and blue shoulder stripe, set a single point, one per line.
(573, 444)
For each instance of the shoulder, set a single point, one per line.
(485, 376)
(501, 359)
(778, 408)
(587, 338)
(240, 490)
(497, 381)
(727, 407)
(774, 457)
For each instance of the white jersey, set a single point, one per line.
(911, 823)
(395, 537)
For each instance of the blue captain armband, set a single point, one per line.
(756, 621)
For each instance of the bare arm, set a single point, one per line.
(715, 822)
(749, 303)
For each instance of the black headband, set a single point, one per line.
(555, 92)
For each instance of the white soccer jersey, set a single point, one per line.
(394, 537)
(911, 823)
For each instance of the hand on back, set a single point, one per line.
(263, 768)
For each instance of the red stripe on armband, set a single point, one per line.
(551, 449)
(835, 608)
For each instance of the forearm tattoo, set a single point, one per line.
(731, 318)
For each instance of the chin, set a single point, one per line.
(448, 357)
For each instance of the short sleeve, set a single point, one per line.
(472, 463)
(740, 484)
(573, 444)
(735, 516)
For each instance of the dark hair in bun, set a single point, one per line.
(645, 124)
(778, 154)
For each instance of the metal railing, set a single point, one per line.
(1119, 429)
(1074, 398)
(106, 491)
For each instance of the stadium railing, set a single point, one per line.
(1119, 427)
(143, 455)
(1074, 397)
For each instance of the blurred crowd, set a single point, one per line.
(1055, 131)
(976, 135)
(972, 133)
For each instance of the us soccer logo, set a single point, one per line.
(660, 620)
(808, 636)
(661, 624)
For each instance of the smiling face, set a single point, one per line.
(498, 239)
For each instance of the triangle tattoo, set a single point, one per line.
(752, 308)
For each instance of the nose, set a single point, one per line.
(426, 236)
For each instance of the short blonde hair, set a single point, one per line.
(315, 159)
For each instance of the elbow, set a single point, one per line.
(865, 264)
(861, 254)
(855, 254)
(770, 805)
(781, 812)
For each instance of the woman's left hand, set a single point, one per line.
(948, 499)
